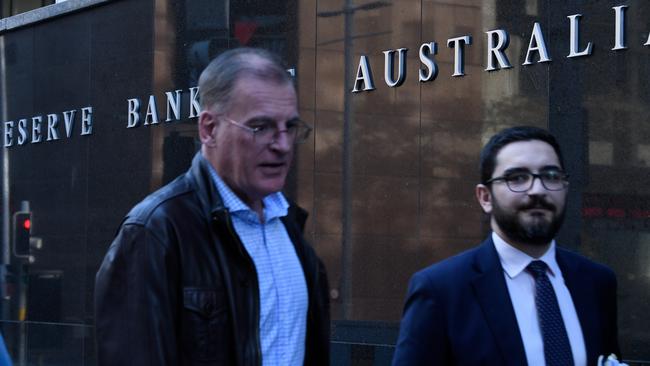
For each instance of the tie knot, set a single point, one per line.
(537, 268)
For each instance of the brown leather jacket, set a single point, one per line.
(178, 288)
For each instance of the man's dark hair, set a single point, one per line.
(217, 81)
(508, 136)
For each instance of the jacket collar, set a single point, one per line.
(199, 175)
(494, 298)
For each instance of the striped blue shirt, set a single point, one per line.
(282, 286)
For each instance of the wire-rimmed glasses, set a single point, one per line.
(266, 131)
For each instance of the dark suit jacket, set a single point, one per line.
(458, 311)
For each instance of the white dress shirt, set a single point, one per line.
(521, 286)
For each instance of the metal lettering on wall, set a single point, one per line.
(37, 129)
(497, 43)
(58, 126)
(173, 108)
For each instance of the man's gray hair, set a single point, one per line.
(217, 81)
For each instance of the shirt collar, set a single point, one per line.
(514, 261)
(275, 204)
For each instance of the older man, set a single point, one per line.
(212, 269)
(516, 299)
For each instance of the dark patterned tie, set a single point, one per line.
(557, 349)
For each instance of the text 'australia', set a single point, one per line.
(497, 41)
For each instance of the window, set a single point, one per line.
(13, 7)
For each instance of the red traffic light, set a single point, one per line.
(22, 222)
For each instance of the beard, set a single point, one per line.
(538, 231)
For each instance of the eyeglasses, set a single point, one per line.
(266, 131)
(552, 180)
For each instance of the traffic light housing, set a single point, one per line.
(22, 233)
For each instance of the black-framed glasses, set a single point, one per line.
(266, 131)
(552, 180)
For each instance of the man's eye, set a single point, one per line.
(517, 178)
(292, 126)
(551, 176)
(261, 127)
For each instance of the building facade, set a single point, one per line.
(99, 109)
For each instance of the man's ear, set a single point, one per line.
(208, 124)
(484, 197)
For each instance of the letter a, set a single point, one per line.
(364, 75)
(540, 46)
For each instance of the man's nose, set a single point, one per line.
(537, 188)
(282, 141)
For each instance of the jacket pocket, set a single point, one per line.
(206, 325)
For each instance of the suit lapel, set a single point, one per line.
(582, 300)
(492, 294)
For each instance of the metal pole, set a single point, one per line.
(6, 216)
(22, 313)
(5, 250)
(346, 207)
(348, 123)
